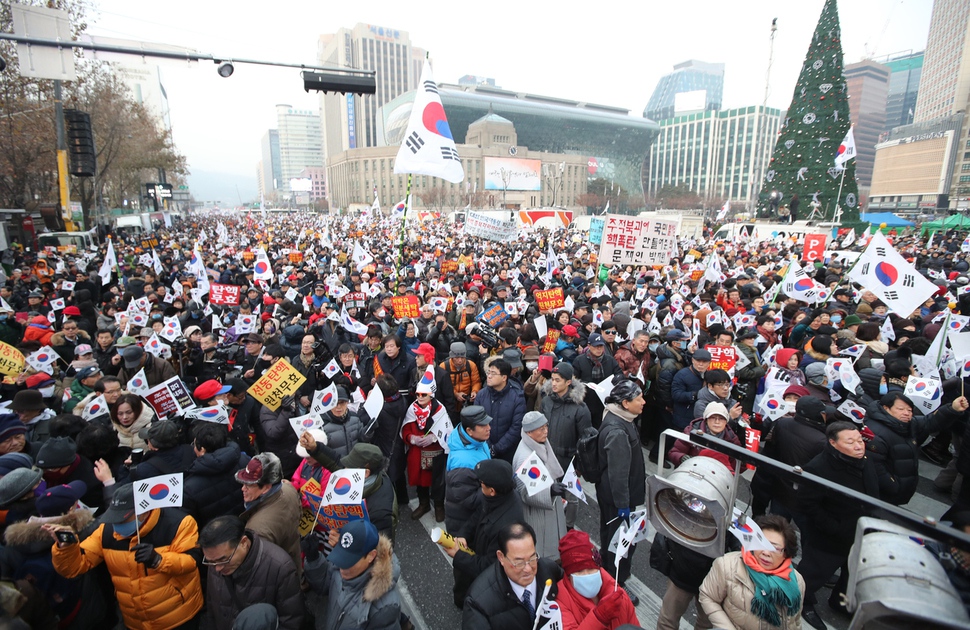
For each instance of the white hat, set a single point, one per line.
(319, 435)
(716, 409)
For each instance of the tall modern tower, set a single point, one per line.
(945, 80)
(904, 78)
(350, 121)
(692, 86)
(270, 166)
(867, 83)
(299, 143)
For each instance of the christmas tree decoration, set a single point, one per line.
(803, 161)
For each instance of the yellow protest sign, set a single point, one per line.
(279, 381)
(308, 517)
(11, 360)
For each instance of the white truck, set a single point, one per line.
(134, 223)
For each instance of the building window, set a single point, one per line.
(964, 179)
(965, 167)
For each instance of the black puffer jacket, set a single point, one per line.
(211, 488)
(793, 441)
(669, 362)
(342, 432)
(830, 516)
(482, 532)
(277, 436)
(492, 605)
(623, 483)
(168, 460)
(266, 576)
(895, 449)
(568, 417)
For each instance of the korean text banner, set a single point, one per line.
(279, 381)
(491, 228)
(512, 174)
(629, 240)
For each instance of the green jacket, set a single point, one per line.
(78, 392)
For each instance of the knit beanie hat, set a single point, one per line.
(822, 344)
(576, 552)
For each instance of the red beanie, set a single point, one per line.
(576, 552)
(783, 356)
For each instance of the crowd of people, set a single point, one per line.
(631, 352)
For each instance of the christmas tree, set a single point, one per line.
(803, 161)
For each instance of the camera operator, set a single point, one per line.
(193, 356)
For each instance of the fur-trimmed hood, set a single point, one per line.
(384, 573)
(28, 537)
(575, 394)
(58, 338)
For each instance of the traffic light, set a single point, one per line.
(343, 82)
(80, 143)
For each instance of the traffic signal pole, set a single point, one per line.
(62, 174)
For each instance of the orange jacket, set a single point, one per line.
(150, 599)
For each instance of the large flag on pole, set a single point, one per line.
(110, 262)
(428, 147)
(846, 150)
(887, 274)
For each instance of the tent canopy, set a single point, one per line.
(890, 219)
(952, 222)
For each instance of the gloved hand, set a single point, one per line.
(145, 554)
(310, 546)
(427, 440)
(610, 607)
(624, 513)
(558, 489)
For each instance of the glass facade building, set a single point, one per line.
(904, 76)
(689, 76)
(715, 154)
(609, 137)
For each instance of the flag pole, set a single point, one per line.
(545, 593)
(838, 199)
(404, 223)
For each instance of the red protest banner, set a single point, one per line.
(405, 306)
(752, 441)
(551, 340)
(550, 299)
(722, 357)
(814, 248)
(224, 294)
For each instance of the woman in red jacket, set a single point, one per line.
(588, 596)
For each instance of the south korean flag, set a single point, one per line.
(345, 487)
(534, 475)
(158, 492)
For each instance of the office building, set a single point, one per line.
(270, 173)
(904, 78)
(318, 181)
(507, 174)
(692, 86)
(945, 79)
(299, 144)
(614, 143)
(145, 82)
(350, 121)
(714, 154)
(867, 83)
(939, 137)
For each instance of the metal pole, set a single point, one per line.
(837, 216)
(760, 135)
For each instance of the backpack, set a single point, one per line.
(587, 455)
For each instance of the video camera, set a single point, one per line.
(487, 334)
(225, 360)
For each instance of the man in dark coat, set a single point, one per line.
(685, 387)
(245, 569)
(899, 434)
(164, 454)
(829, 524)
(494, 601)
(500, 508)
(211, 489)
(793, 441)
(623, 480)
(157, 370)
(504, 400)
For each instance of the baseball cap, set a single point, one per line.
(133, 356)
(72, 311)
(88, 372)
(210, 389)
(716, 409)
(364, 455)
(83, 348)
(122, 505)
(237, 386)
(357, 539)
(513, 356)
(162, 434)
(596, 339)
(474, 416)
(569, 331)
(426, 350)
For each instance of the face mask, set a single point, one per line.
(883, 389)
(588, 585)
(653, 347)
(836, 319)
(3, 318)
(40, 489)
(531, 365)
(47, 392)
(126, 530)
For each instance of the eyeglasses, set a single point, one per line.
(609, 332)
(518, 565)
(492, 373)
(423, 395)
(218, 563)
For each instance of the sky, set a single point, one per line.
(610, 52)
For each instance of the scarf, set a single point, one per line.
(617, 409)
(772, 589)
(545, 453)
(421, 415)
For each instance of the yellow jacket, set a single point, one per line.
(150, 599)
